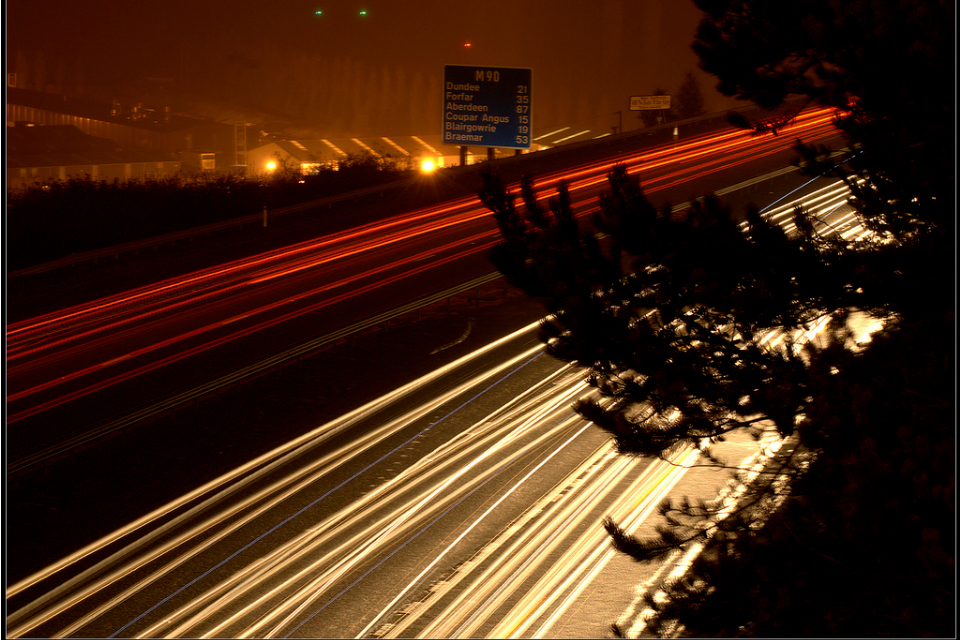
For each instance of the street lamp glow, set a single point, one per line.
(428, 165)
(271, 166)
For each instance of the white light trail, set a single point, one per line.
(78, 588)
(416, 581)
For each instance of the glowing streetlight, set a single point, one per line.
(428, 165)
(271, 166)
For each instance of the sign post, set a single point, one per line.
(487, 107)
(650, 103)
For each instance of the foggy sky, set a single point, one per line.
(587, 57)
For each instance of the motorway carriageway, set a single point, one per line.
(465, 503)
(139, 342)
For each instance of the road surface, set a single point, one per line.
(467, 502)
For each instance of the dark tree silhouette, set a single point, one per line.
(669, 313)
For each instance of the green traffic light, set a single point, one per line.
(362, 13)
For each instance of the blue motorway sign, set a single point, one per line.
(487, 106)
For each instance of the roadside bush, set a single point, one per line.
(53, 219)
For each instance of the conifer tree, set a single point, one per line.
(669, 314)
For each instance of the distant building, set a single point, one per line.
(311, 155)
(197, 145)
(61, 152)
(198, 161)
(131, 127)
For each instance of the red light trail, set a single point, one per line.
(120, 337)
